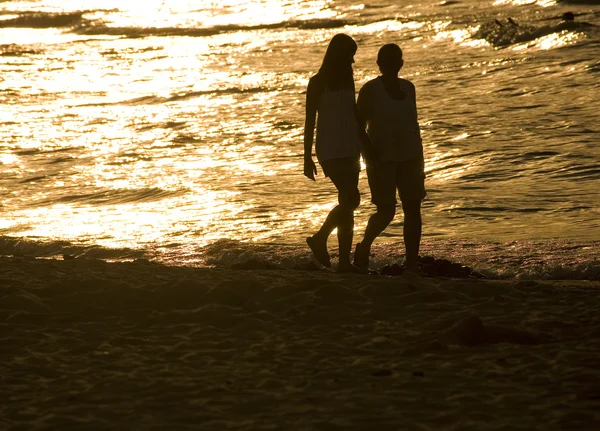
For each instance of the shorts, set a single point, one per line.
(386, 177)
(344, 165)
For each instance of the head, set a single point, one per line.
(389, 59)
(568, 16)
(338, 60)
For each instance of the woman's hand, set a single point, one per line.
(369, 153)
(310, 169)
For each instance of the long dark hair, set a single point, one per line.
(336, 70)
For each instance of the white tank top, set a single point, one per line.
(393, 126)
(337, 127)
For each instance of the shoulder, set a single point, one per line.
(313, 81)
(368, 86)
(407, 84)
(315, 78)
(315, 87)
(409, 87)
(371, 83)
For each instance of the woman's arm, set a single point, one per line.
(310, 169)
(362, 112)
(418, 128)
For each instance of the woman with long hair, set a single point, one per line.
(330, 100)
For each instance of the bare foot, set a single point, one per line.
(361, 256)
(319, 250)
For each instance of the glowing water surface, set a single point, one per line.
(166, 125)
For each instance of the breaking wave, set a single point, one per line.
(98, 28)
(533, 260)
(78, 23)
(152, 99)
(118, 196)
(29, 248)
(590, 2)
(14, 50)
(44, 20)
(155, 100)
(508, 32)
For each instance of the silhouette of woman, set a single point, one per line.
(330, 99)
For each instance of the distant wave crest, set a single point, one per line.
(505, 33)
(78, 23)
(44, 20)
(154, 100)
(97, 28)
(149, 100)
(590, 2)
(118, 196)
(14, 50)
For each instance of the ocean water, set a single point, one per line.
(172, 130)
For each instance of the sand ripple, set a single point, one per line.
(92, 345)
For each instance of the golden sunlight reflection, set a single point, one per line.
(175, 132)
(239, 167)
(460, 36)
(26, 36)
(8, 159)
(114, 226)
(551, 41)
(388, 25)
(160, 14)
(446, 165)
(556, 40)
(460, 137)
(543, 3)
(312, 215)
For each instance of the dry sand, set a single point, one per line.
(92, 345)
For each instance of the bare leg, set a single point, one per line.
(318, 242)
(345, 234)
(349, 199)
(330, 223)
(342, 217)
(412, 231)
(377, 224)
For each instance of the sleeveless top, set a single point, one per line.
(337, 126)
(392, 124)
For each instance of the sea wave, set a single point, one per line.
(509, 32)
(149, 100)
(582, 2)
(22, 247)
(579, 172)
(551, 260)
(540, 260)
(99, 28)
(14, 50)
(155, 100)
(116, 196)
(593, 68)
(44, 20)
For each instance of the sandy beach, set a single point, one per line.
(90, 345)
(154, 269)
